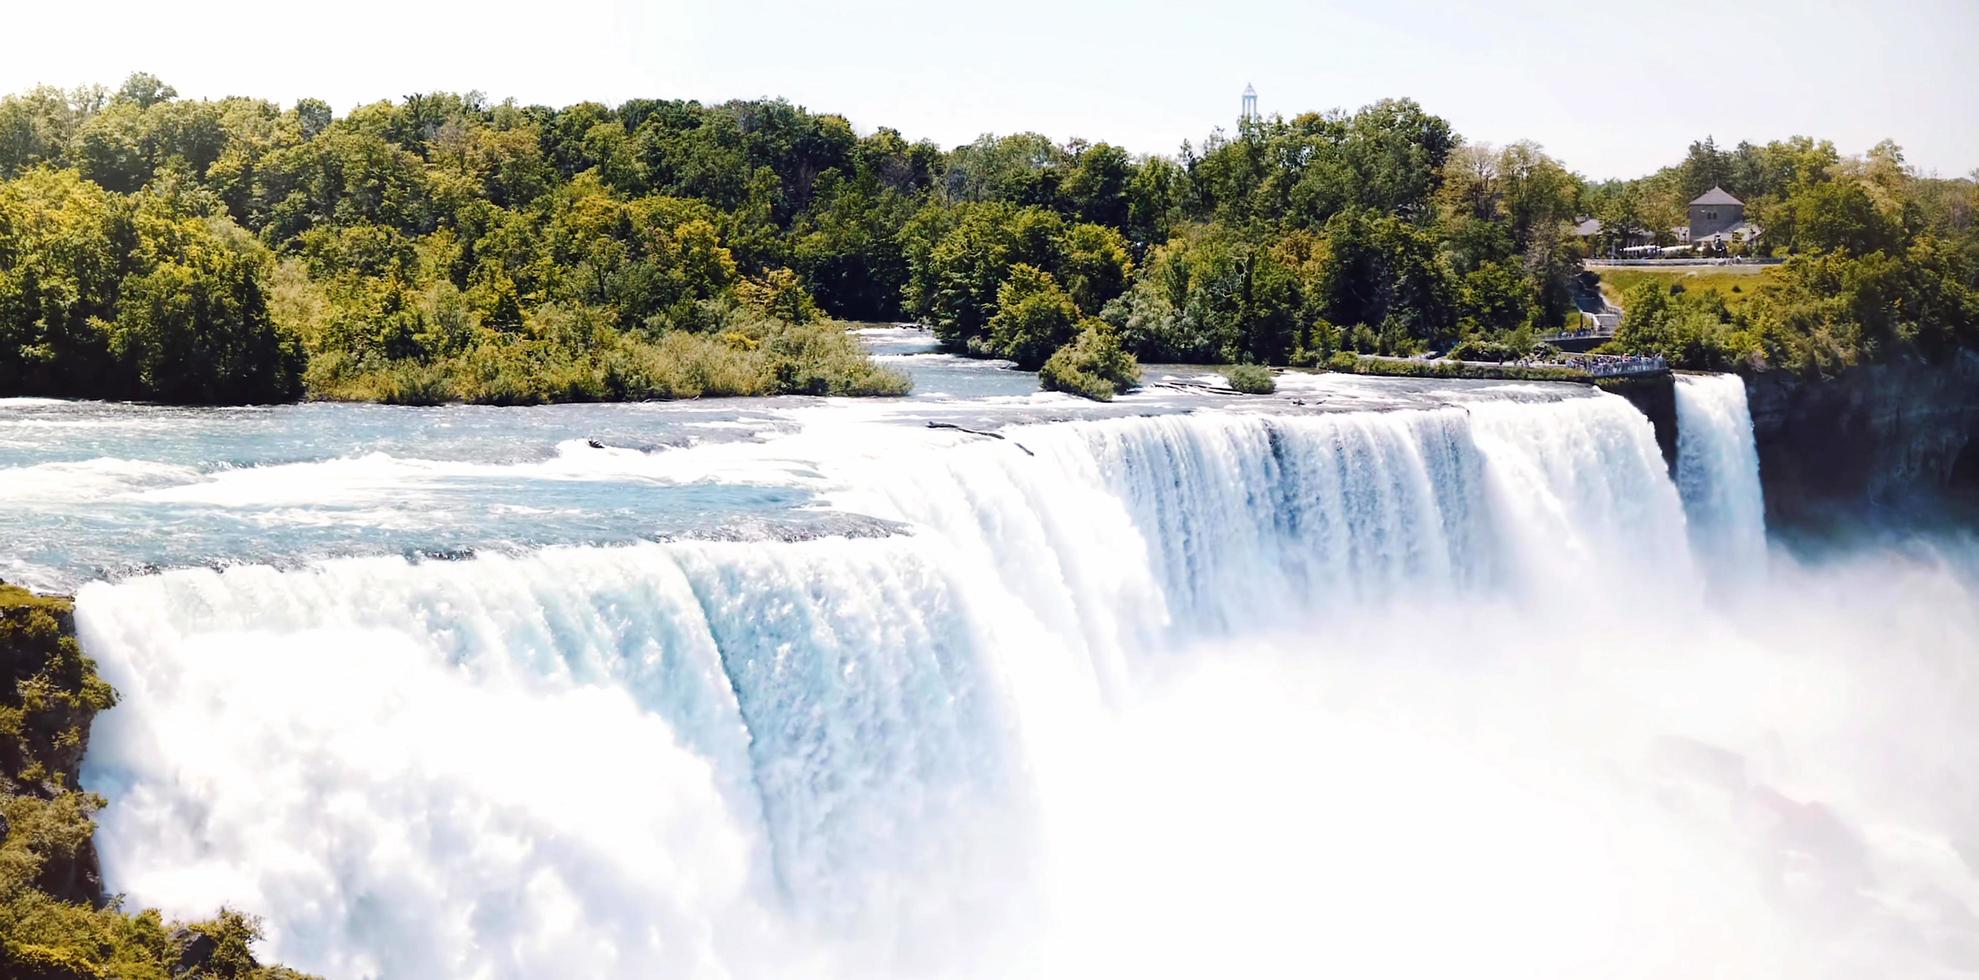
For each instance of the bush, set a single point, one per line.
(1093, 366)
(1477, 349)
(1251, 379)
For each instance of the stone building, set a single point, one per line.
(1718, 217)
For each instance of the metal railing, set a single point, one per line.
(1619, 365)
(1683, 260)
(1597, 365)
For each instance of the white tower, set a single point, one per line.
(1250, 105)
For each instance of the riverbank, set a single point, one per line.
(757, 359)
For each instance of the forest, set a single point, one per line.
(446, 248)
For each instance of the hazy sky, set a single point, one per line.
(1611, 89)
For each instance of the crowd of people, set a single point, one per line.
(1609, 365)
(1599, 365)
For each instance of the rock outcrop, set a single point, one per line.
(1655, 397)
(1877, 436)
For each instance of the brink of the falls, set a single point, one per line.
(1439, 691)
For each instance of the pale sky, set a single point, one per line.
(1611, 89)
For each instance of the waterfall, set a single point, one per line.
(834, 756)
(1718, 472)
(399, 762)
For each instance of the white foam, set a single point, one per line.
(1426, 693)
(93, 479)
(1718, 471)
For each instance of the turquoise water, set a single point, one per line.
(96, 490)
(92, 490)
(1369, 678)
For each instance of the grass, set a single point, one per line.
(1736, 283)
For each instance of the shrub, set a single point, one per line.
(1093, 366)
(822, 359)
(1477, 349)
(751, 354)
(1251, 379)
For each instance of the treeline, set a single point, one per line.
(438, 249)
(1284, 242)
(1882, 262)
(445, 247)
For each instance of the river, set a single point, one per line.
(1370, 678)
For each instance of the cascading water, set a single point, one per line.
(1718, 471)
(1372, 694)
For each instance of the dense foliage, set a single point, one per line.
(443, 247)
(1377, 230)
(1882, 263)
(1347, 362)
(54, 920)
(437, 249)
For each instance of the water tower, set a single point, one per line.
(1250, 105)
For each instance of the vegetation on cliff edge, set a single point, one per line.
(55, 921)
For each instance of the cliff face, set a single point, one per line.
(1656, 398)
(1884, 434)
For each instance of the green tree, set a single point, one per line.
(144, 90)
(953, 284)
(65, 247)
(1034, 317)
(1097, 186)
(1840, 216)
(1094, 264)
(195, 328)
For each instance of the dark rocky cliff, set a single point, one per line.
(1655, 397)
(1883, 435)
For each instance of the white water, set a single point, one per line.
(1426, 693)
(1718, 470)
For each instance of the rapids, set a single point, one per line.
(1449, 685)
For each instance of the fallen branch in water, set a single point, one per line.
(959, 428)
(978, 432)
(1199, 386)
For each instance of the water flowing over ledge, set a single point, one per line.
(1718, 470)
(1152, 695)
